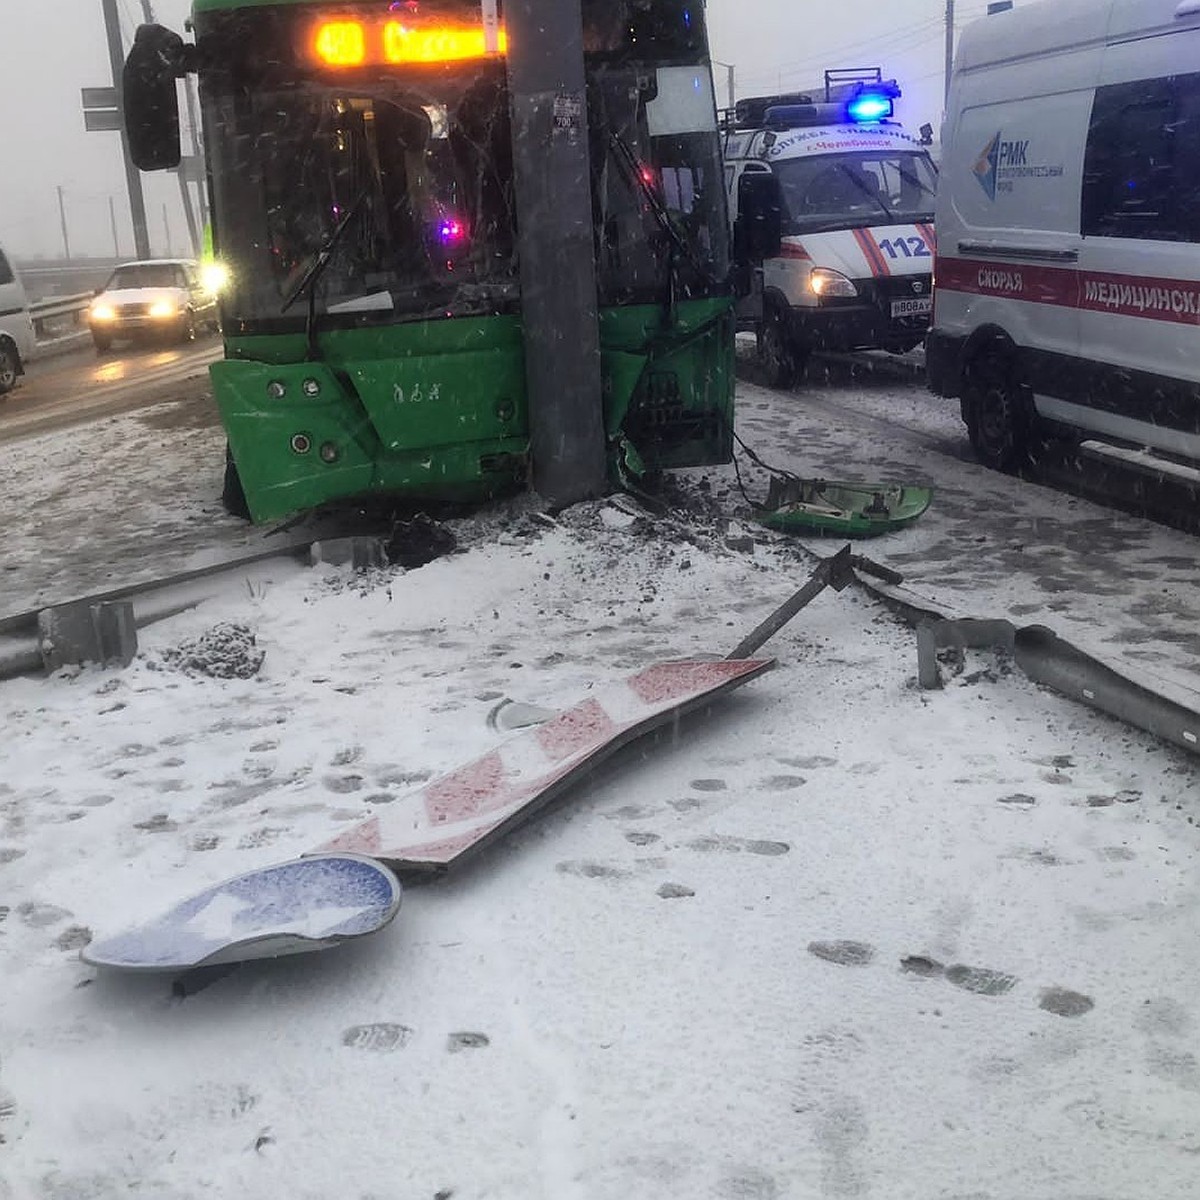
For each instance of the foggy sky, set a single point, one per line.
(52, 50)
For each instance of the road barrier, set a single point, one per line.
(60, 316)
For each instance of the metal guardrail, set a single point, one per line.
(59, 315)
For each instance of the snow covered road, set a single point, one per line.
(834, 938)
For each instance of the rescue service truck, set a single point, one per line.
(852, 268)
(1068, 270)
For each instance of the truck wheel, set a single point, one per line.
(9, 367)
(102, 343)
(233, 495)
(777, 349)
(998, 416)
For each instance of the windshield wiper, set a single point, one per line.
(866, 191)
(628, 162)
(308, 281)
(314, 272)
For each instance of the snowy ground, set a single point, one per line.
(928, 944)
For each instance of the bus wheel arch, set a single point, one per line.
(233, 495)
(996, 404)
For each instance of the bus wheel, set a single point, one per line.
(8, 367)
(233, 495)
(778, 350)
(996, 412)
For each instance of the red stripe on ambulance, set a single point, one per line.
(871, 252)
(1152, 298)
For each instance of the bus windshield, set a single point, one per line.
(846, 191)
(429, 172)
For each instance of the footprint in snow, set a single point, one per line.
(457, 1042)
(590, 870)
(379, 1038)
(734, 845)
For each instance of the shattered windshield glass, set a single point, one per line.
(429, 165)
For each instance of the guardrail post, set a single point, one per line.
(87, 633)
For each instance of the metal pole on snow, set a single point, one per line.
(551, 172)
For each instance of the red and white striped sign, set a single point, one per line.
(436, 825)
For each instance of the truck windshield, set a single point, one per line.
(146, 275)
(430, 169)
(846, 191)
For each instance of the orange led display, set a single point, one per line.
(357, 43)
(442, 43)
(341, 43)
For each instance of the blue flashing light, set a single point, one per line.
(870, 106)
(451, 231)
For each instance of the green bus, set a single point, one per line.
(360, 167)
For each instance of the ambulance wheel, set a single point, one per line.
(233, 495)
(778, 351)
(9, 367)
(996, 411)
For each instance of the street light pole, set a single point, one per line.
(949, 44)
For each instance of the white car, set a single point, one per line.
(156, 299)
(16, 328)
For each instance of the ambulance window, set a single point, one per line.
(1187, 156)
(6, 273)
(1130, 163)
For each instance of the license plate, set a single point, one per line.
(919, 306)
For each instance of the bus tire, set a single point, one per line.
(778, 350)
(998, 414)
(233, 495)
(10, 366)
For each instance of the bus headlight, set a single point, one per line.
(824, 282)
(214, 277)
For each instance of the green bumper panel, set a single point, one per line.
(424, 412)
(437, 411)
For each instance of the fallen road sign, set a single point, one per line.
(445, 821)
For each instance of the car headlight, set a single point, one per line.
(103, 312)
(824, 282)
(162, 310)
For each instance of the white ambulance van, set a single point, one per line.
(1067, 298)
(853, 269)
(16, 328)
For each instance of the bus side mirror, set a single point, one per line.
(151, 104)
(758, 231)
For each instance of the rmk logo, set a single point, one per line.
(998, 154)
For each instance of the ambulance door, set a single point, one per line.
(1139, 262)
